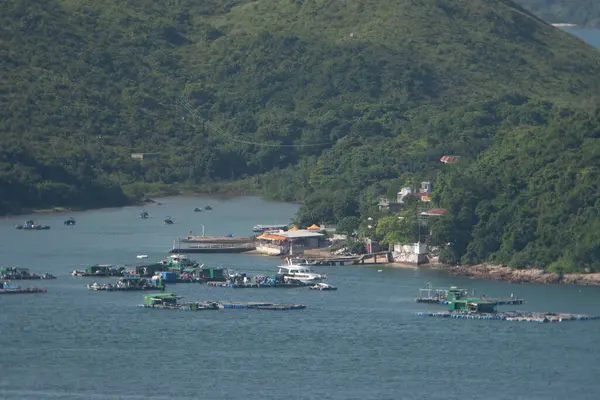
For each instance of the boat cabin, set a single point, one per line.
(100, 269)
(267, 228)
(8, 285)
(160, 299)
(211, 274)
(471, 304)
(294, 270)
(178, 261)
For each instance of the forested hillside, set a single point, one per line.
(584, 13)
(332, 103)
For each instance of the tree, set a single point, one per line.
(400, 228)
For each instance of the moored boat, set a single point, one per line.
(266, 228)
(322, 286)
(299, 273)
(32, 226)
(70, 222)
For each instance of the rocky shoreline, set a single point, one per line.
(504, 273)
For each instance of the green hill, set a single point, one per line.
(584, 13)
(329, 102)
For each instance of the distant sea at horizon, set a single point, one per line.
(590, 36)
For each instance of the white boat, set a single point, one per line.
(301, 273)
(142, 256)
(322, 286)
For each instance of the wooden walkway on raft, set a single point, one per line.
(383, 257)
(511, 316)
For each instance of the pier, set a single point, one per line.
(383, 257)
(214, 248)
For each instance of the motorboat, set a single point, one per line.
(71, 221)
(144, 214)
(142, 256)
(168, 221)
(267, 228)
(197, 209)
(322, 286)
(32, 226)
(208, 208)
(300, 273)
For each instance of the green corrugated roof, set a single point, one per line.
(161, 295)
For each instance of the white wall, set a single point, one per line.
(413, 253)
(269, 249)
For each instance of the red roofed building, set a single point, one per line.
(449, 159)
(422, 196)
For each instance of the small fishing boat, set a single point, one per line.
(197, 209)
(322, 286)
(208, 208)
(144, 214)
(168, 221)
(32, 226)
(70, 222)
(142, 256)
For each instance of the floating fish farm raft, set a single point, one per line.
(170, 301)
(444, 296)
(254, 285)
(462, 306)
(9, 288)
(511, 316)
(22, 290)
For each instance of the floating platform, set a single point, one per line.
(512, 316)
(22, 290)
(214, 305)
(113, 288)
(500, 302)
(184, 307)
(253, 285)
(214, 248)
(384, 257)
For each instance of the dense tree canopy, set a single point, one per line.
(330, 103)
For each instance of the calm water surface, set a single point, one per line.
(361, 342)
(591, 36)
